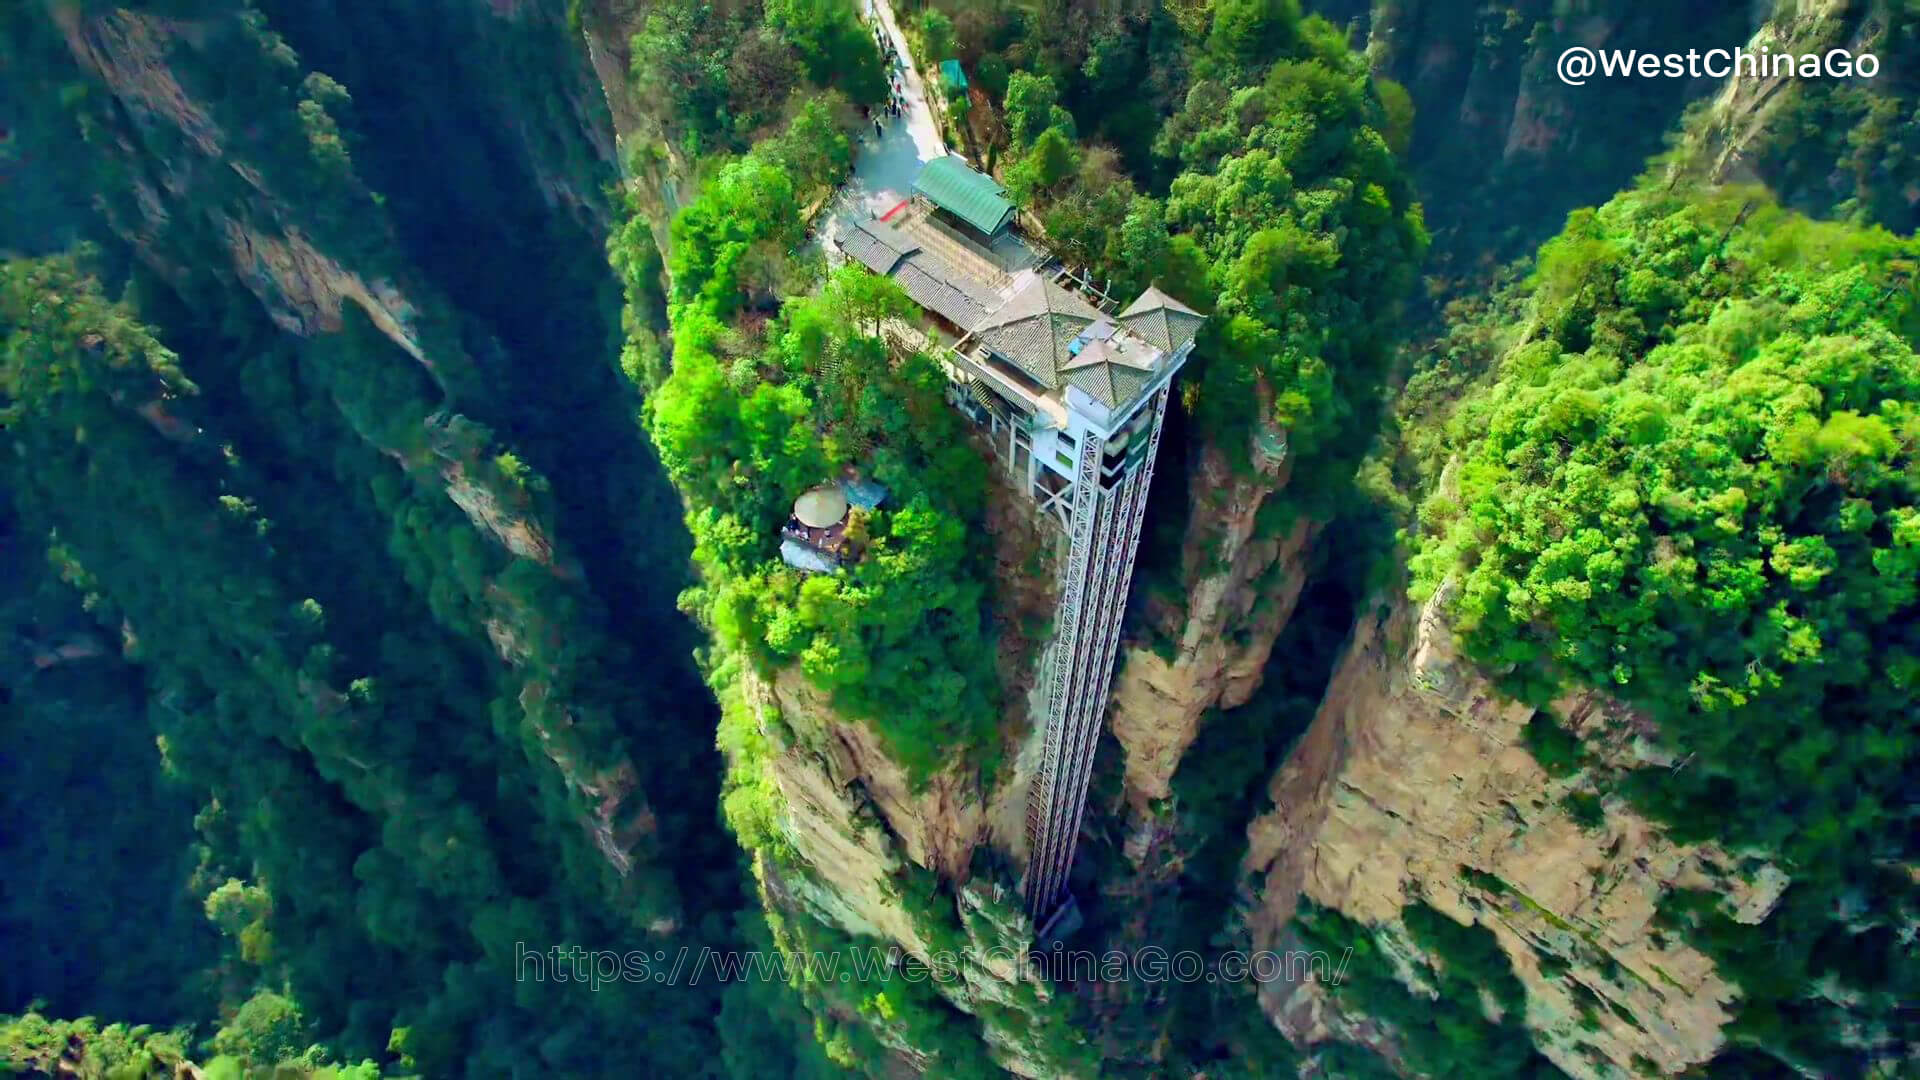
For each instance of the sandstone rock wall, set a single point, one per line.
(1720, 144)
(854, 823)
(1243, 589)
(303, 288)
(657, 172)
(1414, 783)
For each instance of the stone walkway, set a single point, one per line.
(884, 166)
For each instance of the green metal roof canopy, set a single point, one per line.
(974, 198)
(952, 76)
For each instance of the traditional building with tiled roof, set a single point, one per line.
(923, 276)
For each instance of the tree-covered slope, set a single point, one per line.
(1682, 472)
(371, 520)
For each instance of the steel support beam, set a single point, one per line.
(1105, 532)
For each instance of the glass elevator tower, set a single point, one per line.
(1075, 400)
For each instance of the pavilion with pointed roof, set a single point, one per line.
(1049, 365)
(1052, 339)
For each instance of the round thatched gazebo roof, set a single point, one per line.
(821, 507)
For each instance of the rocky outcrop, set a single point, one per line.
(850, 811)
(1244, 586)
(616, 817)
(857, 829)
(608, 27)
(1414, 783)
(517, 532)
(1755, 127)
(128, 51)
(554, 110)
(659, 175)
(201, 200)
(305, 290)
(206, 173)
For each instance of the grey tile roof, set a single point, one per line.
(1117, 358)
(1161, 320)
(878, 246)
(1113, 364)
(929, 280)
(1109, 384)
(1034, 327)
(937, 286)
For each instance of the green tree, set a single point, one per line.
(266, 1030)
(836, 48)
(936, 32)
(1253, 33)
(679, 57)
(1312, 238)
(1032, 107)
(1052, 160)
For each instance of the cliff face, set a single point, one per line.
(548, 124)
(1830, 147)
(1740, 111)
(859, 839)
(851, 814)
(1414, 783)
(658, 175)
(1501, 147)
(1244, 586)
(272, 256)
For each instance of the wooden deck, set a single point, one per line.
(831, 540)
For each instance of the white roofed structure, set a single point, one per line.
(821, 507)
